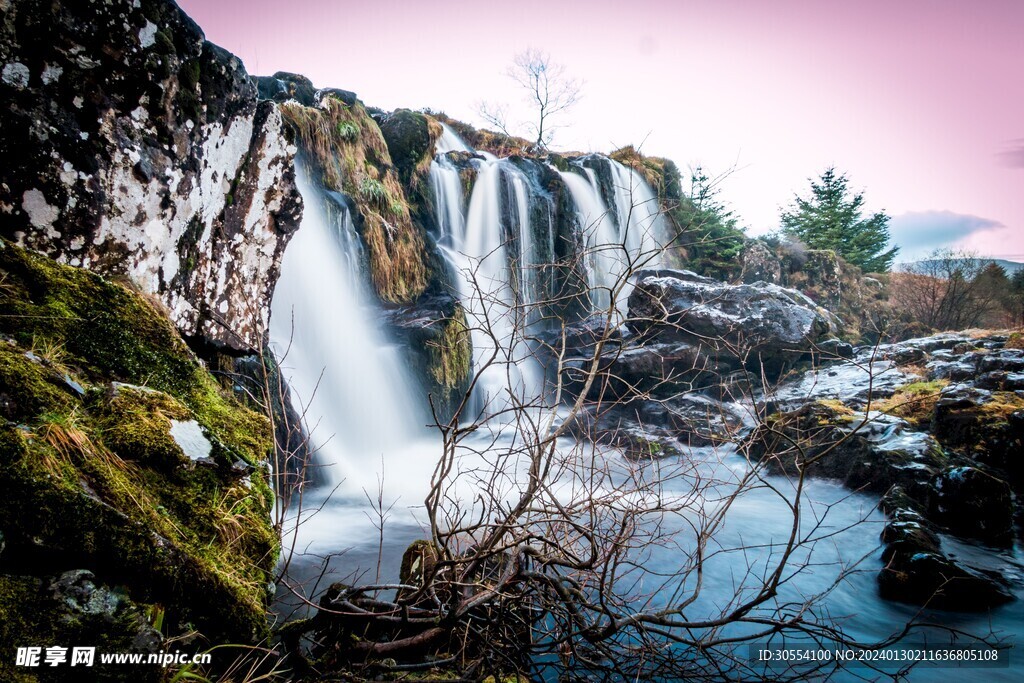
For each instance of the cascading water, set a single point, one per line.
(447, 187)
(351, 385)
(598, 229)
(362, 401)
(625, 237)
(495, 290)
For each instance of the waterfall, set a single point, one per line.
(627, 236)
(496, 290)
(603, 260)
(359, 402)
(447, 187)
(491, 251)
(641, 226)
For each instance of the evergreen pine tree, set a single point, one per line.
(831, 218)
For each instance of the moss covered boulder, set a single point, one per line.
(410, 137)
(987, 426)
(121, 458)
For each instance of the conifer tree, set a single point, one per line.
(832, 218)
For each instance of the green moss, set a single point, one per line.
(1015, 341)
(188, 93)
(99, 481)
(451, 356)
(359, 165)
(914, 402)
(106, 330)
(19, 598)
(348, 131)
(26, 387)
(836, 412)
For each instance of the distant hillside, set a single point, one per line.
(1009, 266)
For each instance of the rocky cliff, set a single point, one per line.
(133, 146)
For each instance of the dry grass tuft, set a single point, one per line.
(349, 150)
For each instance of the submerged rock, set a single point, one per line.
(933, 579)
(658, 428)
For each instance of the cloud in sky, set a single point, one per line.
(1013, 157)
(920, 232)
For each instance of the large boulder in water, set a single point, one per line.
(917, 571)
(871, 452)
(436, 335)
(654, 428)
(755, 322)
(987, 426)
(973, 503)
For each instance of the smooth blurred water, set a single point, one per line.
(368, 421)
(360, 402)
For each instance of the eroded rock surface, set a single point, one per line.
(935, 425)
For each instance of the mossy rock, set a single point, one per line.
(81, 614)
(915, 402)
(348, 154)
(418, 560)
(93, 478)
(987, 427)
(827, 439)
(27, 387)
(103, 330)
(410, 139)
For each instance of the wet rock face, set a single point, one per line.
(941, 444)
(759, 321)
(917, 571)
(760, 264)
(872, 452)
(435, 334)
(132, 146)
(658, 428)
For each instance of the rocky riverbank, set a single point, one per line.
(137, 502)
(935, 427)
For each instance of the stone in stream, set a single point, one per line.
(758, 324)
(947, 468)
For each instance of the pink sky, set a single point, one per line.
(921, 102)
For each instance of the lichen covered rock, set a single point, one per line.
(132, 146)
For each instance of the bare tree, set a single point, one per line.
(943, 291)
(548, 91)
(541, 550)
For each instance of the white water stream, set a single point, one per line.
(367, 419)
